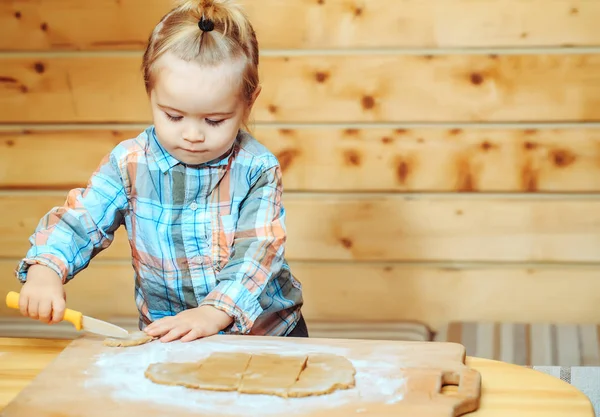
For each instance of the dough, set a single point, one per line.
(219, 372)
(323, 374)
(134, 339)
(271, 374)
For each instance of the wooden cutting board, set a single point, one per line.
(393, 378)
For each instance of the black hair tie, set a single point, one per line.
(206, 25)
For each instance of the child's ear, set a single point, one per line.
(254, 97)
(252, 101)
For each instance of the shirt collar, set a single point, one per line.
(166, 161)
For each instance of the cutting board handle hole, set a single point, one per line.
(449, 389)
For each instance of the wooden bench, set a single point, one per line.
(528, 344)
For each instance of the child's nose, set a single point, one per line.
(193, 136)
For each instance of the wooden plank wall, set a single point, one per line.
(441, 157)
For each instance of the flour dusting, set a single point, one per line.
(378, 377)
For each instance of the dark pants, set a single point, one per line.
(300, 330)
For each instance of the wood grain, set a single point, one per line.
(21, 360)
(388, 228)
(381, 292)
(305, 24)
(315, 88)
(336, 159)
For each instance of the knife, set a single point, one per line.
(78, 320)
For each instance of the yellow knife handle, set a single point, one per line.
(75, 317)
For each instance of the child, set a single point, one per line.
(200, 197)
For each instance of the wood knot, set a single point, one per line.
(529, 180)
(39, 67)
(387, 139)
(272, 108)
(562, 157)
(476, 78)
(321, 77)
(351, 132)
(368, 102)
(10, 143)
(455, 132)
(286, 158)
(352, 157)
(286, 132)
(402, 171)
(486, 146)
(18, 15)
(530, 145)
(401, 131)
(347, 243)
(358, 11)
(44, 27)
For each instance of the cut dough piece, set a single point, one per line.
(134, 339)
(183, 374)
(323, 374)
(223, 371)
(270, 374)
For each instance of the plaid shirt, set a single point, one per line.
(211, 234)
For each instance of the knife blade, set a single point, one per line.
(78, 320)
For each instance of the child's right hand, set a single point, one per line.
(42, 296)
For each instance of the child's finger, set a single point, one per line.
(33, 309)
(161, 327)
(58, 310)
(157, 331)
(175, 333)
(45, 311)
(24, 305)
(193, 335)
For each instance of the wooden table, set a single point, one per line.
(508, 390)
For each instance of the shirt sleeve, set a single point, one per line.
(69, 236)
(258, 253)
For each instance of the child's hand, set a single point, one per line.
(192, 324)
(42, 297)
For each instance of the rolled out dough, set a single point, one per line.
(271, 374)
(134, 339)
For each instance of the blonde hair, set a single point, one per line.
(232, 38)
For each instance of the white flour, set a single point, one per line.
(378, 379)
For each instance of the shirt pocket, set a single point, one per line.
(223, 241)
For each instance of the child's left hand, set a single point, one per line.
(192, 324)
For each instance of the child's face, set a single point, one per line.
(197, 110)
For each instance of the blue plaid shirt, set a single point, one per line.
(212, 234)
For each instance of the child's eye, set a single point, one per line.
(174, 118)
(214, 122)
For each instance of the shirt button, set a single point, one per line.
(193, 206)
